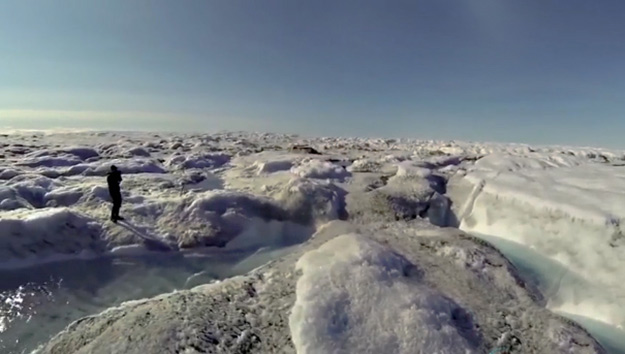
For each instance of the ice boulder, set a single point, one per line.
(365, 165)
(215, 218)
(308, 201)
(266, 167)
(402, 198)
(320, 169)
(409, 169)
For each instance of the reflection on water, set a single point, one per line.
(559, 286)
(38, 302)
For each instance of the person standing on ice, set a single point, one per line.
(114, 178)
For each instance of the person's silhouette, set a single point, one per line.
(113, 179)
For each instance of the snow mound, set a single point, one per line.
(217, 217)
(364, 165)
(356, 296)
(409, 169)
(47, 233)
(266, 167)
(138, 151)
(319, 169)
(50, 161)
(126, 166)
(11, 200)
(63, 197)
(83, 153)
(309, 201)
(212, 160)
(222, 202)
(25, 191)
(8, 173)
(402, 198)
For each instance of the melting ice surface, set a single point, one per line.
(556, 283)
(38, 302)
(559, 220)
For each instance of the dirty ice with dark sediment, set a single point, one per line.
(269, 243)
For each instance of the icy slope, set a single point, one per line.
(27, 238)
(567, 210)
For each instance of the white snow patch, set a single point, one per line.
(408, 169)
(506, 162)
(318, 169)
(354, 297)
(265, 167)
(364, 165)
(211, 160)
(65, 196)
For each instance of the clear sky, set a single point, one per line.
(536, 71)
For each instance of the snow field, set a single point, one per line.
(356, 296)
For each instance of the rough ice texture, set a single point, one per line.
(315, 168)
(570, 213)
(211, 160)
(311, 200)
(233, 191)
(138, 151)
(272, 166)
(253, 313)
(83, 153)
(127, 166)
(47, 234)
(353, 287)
(409, 169)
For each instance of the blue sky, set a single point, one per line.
(536, 71)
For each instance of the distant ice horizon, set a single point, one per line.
(208, 131)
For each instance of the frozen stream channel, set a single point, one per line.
(557, 284)
(38, 302)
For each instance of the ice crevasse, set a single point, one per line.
(567, 212)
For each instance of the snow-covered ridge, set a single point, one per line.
(569, 211)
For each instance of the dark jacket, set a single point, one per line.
(114, 178)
